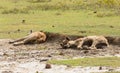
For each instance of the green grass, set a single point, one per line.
(107, 72)
(106, 61)
(68, 21)
(111, 72)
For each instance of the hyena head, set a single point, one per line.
(67, 43)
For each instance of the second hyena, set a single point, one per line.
(90, 41)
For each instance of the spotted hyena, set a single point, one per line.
(91, 42)
(34, 37)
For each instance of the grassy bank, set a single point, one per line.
(106, 61)
(67, 22)
(81, 17)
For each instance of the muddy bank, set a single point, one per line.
(38, 54)
(56, 37)
(52, 49)
(37, 67)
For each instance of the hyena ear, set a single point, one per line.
(67, 38)
(31, 31)
(41, 30)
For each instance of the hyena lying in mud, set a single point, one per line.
(34, 37)
(89, 42)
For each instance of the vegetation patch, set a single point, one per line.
(111, 72)
(106, 72)
(106, 61)
(15, 11)
(80, 17)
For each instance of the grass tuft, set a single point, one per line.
(106, 61)
(15, 11)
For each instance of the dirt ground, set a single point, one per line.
(32, 57)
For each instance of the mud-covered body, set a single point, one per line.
(89, 41)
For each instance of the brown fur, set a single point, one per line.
(35, 37)
(80, 42)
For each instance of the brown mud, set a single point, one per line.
(51, 49)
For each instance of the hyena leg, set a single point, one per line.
(107, 43)
(31, 39)
(25, 41)
(80, 45)
(20, 39)
(93, 44)
(18, 43)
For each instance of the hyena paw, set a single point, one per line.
(15, 44)
(92, 47)
(79, 47)
(10, 42)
